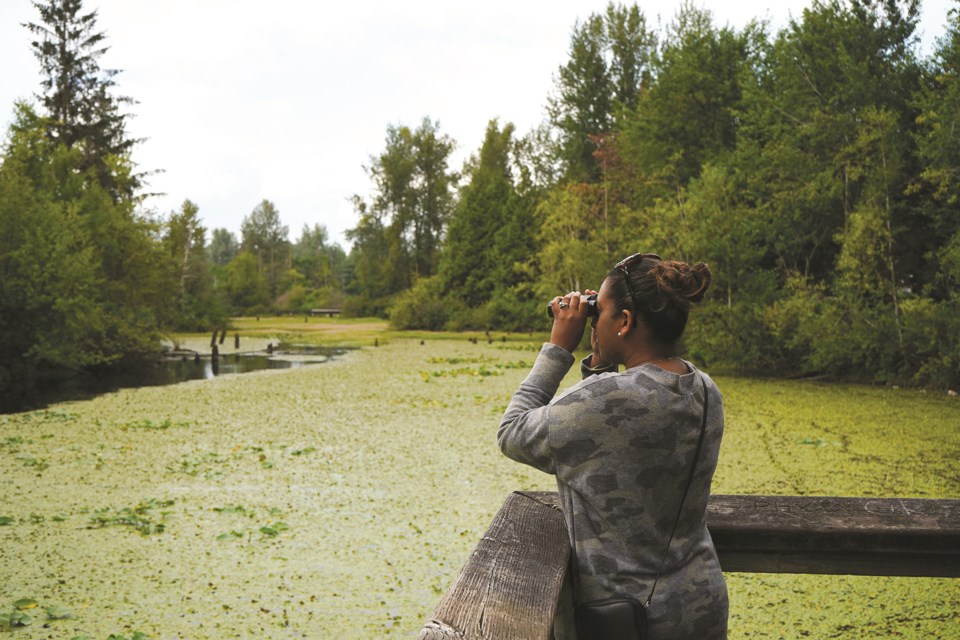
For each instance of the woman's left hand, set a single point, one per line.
(569, 320)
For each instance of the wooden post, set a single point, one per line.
(213, 339)
(509, 586)
(236, 341)
(223, 335)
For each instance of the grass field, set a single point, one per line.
(340, 500)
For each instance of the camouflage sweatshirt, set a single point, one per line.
(621, 446)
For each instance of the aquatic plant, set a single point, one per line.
(139, 517)
(386, 483)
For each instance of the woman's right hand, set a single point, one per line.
(569, 320)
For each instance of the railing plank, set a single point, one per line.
(510, 585)
(853, 536)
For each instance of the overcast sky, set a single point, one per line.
(242, 100)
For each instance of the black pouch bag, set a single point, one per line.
(612, 619)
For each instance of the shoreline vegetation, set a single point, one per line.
(813, 166)
(341, 500)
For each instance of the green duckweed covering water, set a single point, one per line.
(341, 500)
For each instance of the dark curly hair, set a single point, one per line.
(663, 293)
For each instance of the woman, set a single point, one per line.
(622, 446)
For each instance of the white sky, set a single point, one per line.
(243, 100)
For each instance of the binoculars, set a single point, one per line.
(590, 301)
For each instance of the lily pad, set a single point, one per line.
(13, 620)
(26, 603)
(230, 535)
(58, 613)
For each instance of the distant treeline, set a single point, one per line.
(817, 171)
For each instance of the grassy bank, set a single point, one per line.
(340, 500)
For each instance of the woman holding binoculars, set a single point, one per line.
(633, 452)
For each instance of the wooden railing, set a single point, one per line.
(510, 585)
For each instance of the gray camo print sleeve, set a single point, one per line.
(524, 433)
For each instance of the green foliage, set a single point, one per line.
(932, 337)
(938, 137)
(815, 169)
(184, 240)
(245, 285)
(688, 116)
(14, 619)
(399, 234)
(609, 61)
(573, 255)
(265, 237)
(223, 247)
(77, 94)
(84, 279)
(491, 236)
(140, 517)
(421, 307)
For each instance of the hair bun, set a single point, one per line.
(681, 284)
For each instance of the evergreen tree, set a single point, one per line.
(85, 282)
(48, 310)
(77, 93)
(472, 268)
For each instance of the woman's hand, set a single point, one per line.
(569, 320)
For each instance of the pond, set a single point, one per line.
(341, 501)
(174, 367)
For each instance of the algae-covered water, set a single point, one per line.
(341, 500)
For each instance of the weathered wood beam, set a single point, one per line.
(510, 584)
(852, 536)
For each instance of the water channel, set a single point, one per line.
(173, 368)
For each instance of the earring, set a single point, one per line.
(619, 333)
